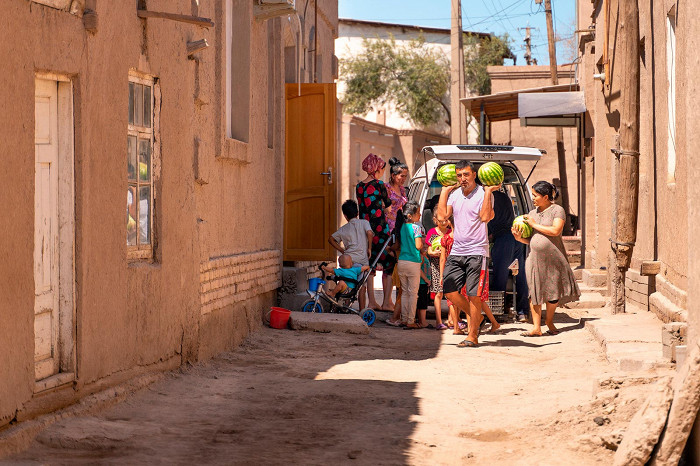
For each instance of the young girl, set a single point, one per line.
(411, 243)
(446, 243)
(423, 288)
(442, 227)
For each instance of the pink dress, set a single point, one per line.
(397, 203)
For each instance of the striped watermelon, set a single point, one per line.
(524, 228)
(435, 243)
(447, 175)
(491, 174)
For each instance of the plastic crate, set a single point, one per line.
(497, 300)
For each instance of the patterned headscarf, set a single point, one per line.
(372, 163)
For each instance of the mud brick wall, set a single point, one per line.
(638, 288)
(232, 279)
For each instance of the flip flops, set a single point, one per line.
(441, 327)
(528, 334)
(552, 332)
(467, 344)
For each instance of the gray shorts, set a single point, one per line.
(461, 271)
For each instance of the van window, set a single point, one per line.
(415, 190)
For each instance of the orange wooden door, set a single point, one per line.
(310, 205)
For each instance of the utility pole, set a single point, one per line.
(561, 154)
(528, 47)
(458, 113)
(627, 199)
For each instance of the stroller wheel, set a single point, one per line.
(309, 307)
(369, 316)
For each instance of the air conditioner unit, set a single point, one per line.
(265, 9)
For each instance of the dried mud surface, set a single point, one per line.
(390, 397)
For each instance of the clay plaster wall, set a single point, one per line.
(218, 201)
(662, 212)
(510, 78)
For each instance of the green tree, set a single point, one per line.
(413, 77)
(416, 77)
(479, 53)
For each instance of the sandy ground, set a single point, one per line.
(390, 397)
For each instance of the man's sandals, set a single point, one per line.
(467, 344)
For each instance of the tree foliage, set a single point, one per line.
(416, 77)
(479, 53)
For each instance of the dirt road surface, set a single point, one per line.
(390, 397)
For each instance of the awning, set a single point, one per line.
(550, 104)
(504, 105)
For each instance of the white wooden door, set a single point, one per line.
(46, 275)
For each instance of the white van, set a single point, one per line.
(424, 187)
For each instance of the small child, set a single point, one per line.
(356, 238)
(423, 288)
(347, 274)
(409, 263)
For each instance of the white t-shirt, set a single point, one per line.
(353, 235)
(471, 234)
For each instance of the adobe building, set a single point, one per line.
(175, 112)
(664, 274)
(503, 126)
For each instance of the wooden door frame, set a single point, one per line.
(330, 149)
(67, 335)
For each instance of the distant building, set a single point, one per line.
(352, 32)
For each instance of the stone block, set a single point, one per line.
(326, 322)
(672, 335)
(595, 277)
(684, 410)
(645, 427)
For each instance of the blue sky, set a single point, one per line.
(495, 16)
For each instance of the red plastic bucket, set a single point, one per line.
(279, 317)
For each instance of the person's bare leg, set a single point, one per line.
(454, 319)
(536, 312)
(387, 305)
(473, 304)
(370, 292)
(549, 319)
(438, 309)
(362, 299)
(397, 306)
(339, 288)
(421, 318)
(494, 323)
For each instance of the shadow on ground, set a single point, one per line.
(259, 404)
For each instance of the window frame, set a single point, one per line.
(142, 251)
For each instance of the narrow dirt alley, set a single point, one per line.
(390, 397)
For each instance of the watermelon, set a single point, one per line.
(435, 243)
(447, 175)
(491, 174)
(525, 229)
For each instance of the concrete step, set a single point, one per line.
(587, 300)
(572, 243)
(631, 341)
(574, 257)
(326, 322)
(595, 277)
(601, 290)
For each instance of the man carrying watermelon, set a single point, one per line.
(472, 208)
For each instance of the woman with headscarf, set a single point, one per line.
(373, 199)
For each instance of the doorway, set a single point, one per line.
(54, 233)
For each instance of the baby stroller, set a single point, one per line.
(343, 301)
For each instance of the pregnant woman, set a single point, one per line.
(549, 276)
